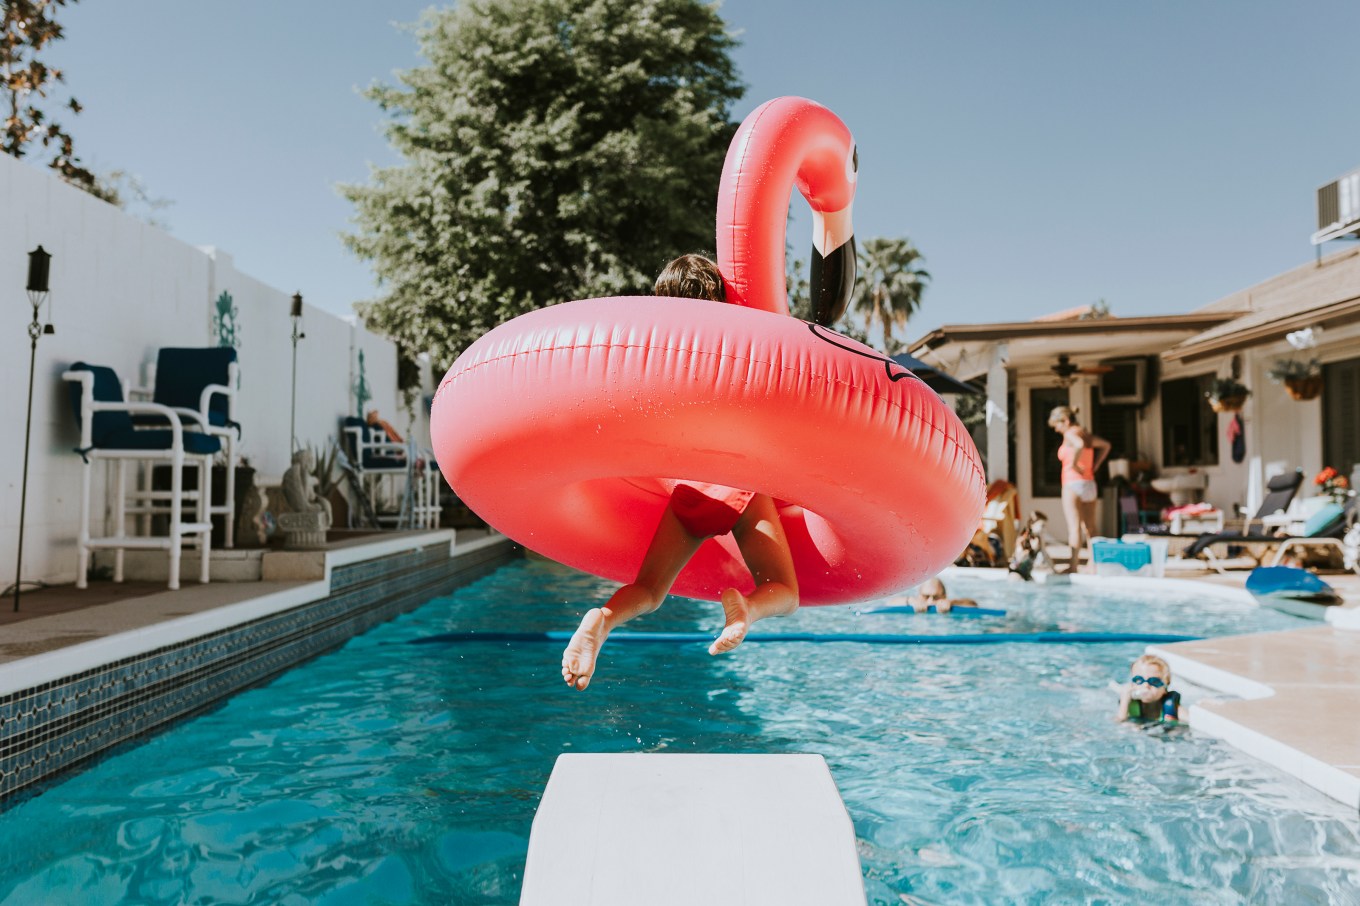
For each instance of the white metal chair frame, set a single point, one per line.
(146, 500)
(228, 433)
(420, 493)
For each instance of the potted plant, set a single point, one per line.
(1227, 395)
(1303, 379)
(1333, 485)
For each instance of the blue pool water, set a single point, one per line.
(391, 772)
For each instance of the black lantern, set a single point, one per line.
(295, 312)
(39, 263)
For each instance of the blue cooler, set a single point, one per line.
(1121, 558)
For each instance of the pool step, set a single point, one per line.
(619, 830)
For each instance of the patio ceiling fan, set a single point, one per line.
(1067, 370)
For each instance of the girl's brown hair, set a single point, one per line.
(691, 277)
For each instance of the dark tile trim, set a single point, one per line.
(50, 728)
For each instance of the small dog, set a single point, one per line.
(1030, 548)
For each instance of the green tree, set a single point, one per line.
(26, 28)
(553, 150)
(889, 286)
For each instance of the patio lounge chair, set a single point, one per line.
(1280, 492)
(1339, 530)
(994, 541)
(107, 433)
(392, 470)
(1326, 526)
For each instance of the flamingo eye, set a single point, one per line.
(852, 164)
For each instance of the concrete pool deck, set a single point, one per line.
(1293, 692)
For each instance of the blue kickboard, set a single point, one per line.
(952, 612)
(1289, 582)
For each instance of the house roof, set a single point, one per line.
(965, 349)
(1325, 293)
(1322, 294)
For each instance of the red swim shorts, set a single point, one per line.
(706, 510)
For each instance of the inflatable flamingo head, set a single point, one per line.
(783, 143)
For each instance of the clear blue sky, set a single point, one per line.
(1041, 155)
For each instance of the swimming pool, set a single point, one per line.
(391, 772)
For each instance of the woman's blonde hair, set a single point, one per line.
(1062, 413)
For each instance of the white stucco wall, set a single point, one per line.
(120, 290)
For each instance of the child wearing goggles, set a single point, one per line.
(1147, 696)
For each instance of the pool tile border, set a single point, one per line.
(69, 715)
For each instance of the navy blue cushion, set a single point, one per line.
(194, 441)
(107, 389)
(181, 375)
(214, 418)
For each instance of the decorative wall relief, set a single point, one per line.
(225, 328)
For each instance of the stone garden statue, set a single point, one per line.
(309, 515)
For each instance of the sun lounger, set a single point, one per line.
(1326, 526)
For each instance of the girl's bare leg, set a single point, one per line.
(670, 549)
(1088, 523)
(1073, 515)
(760, 537)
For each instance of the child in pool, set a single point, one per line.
(1147, 696)
(931, 594)
(696, 512)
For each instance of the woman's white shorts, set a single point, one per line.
(1085, 490)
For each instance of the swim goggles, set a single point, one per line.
(1155, 682)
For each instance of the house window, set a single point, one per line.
(1045, 471)
(1119, 426)
(1189, 425)
(1341, 415)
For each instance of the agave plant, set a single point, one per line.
(324, 470)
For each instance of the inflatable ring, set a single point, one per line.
(567, 427)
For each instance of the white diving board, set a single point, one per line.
(679, 830)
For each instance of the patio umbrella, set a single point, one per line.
(934, 378)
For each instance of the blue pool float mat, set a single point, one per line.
(952, 612)
(978, 638)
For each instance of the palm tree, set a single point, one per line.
(892, 284)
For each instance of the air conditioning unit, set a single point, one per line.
(1125, 384)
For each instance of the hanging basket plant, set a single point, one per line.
(1303, 380)
(1304, 388)
(1227, 395)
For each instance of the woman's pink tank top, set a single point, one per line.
(1081, 469)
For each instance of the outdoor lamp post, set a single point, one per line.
(296, 314)
(39, 263)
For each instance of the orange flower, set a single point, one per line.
(1325, 476)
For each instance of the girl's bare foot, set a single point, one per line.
(736, 619)
(578, 660)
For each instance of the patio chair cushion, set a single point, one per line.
(196, 443)
(1322, 520)
(181, 375)
(107, 389)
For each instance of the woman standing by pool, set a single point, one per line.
(1081, 454)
